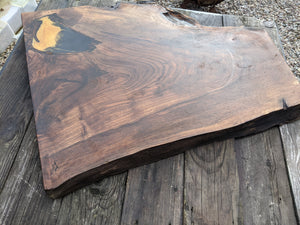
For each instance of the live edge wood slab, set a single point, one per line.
(116, 88)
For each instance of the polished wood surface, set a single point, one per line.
(117, 88)
(224, 195)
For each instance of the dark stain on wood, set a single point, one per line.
(179, 18)
(151, 89)
(284, 105)
(52, 36)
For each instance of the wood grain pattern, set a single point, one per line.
(23, 200)
(238, 182)
(23, 190)
(230, 20)
(133, 93)
(39, 209)
(99, 203)
(15, 108)
(263, 180)
(154, 193)
(211, 184)
(290, 134)
(274, 155)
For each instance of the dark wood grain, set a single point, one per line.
(23, 200)
(26, 208)
(135, 97)
(154, 193)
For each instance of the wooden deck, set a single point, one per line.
(251, 180)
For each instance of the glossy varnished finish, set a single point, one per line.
(146, 84)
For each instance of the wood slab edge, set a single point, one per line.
(154, 154)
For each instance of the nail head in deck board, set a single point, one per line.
(94, 117)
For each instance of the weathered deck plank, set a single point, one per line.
(99, 203)
(154, 193)
(290, 134)
(245, 183)
(211, 184)
(265, 196)
(15, 108)
(210, 171)
(23, 193)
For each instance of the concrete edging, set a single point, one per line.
(10, 19)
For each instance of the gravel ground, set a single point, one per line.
(286, 14)
(4, 55)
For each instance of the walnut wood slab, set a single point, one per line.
(117, 88)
